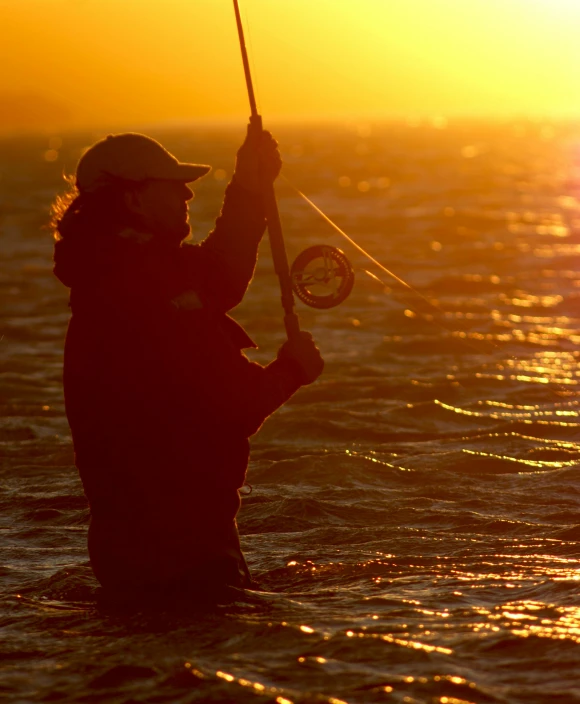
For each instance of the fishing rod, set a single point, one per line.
(317, 268)
(321, 276)
(291, 322)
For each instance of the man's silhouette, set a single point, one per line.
(160, 398)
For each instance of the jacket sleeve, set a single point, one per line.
(255, 392)
(238, 394)
(221, 267)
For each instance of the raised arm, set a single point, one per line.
(222, 266)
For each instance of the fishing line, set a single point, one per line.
(438, 311)
(470, 344)
(349, 239)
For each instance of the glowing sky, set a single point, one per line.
(140, 61)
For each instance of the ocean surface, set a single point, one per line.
(414, 523)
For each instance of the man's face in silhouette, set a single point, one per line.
(161, 208)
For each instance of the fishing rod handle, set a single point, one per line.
(292, 326)
(278, 248)
(280, 260)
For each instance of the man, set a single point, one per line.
(160, 398)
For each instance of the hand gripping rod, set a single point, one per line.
(277, 246)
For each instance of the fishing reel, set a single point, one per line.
(322, 276)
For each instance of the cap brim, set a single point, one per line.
(191, 172)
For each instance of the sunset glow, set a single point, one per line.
(79, 62)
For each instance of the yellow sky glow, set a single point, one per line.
(133, 62)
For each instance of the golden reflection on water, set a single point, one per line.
(413, 644)
(528, 300)
(427, 629)
(565, 627)
(536, 319)
(502, 404)
(530, 463)
(557, 370)
(521, 417)
(506, 570)
(257, 686)
(547, 251)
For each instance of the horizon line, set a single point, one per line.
(437, 120)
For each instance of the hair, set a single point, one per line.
(98, 213)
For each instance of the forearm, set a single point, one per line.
(279, 381)
(245, 394)
(234, 242)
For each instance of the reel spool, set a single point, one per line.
(322, 276)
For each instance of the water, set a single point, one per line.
(414, 522)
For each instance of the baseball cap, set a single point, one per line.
(131, 157)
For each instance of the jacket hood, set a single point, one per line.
(79, 260)
(82, 260)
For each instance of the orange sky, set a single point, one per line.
(134, 62)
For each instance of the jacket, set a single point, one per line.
(160, 398)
